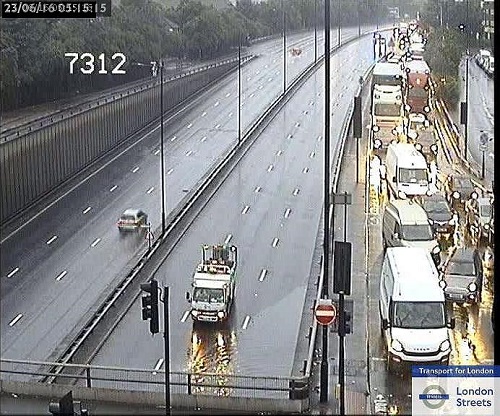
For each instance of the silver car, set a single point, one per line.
(479, 213)
(132, 220)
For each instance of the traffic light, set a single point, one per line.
(64, 407)
(150, 305)
(347, 322)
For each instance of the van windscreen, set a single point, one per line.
(412, 175)
(417, 232)
(418, 315)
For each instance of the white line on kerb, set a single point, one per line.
(185, 316)
(257, 190)
(157, 152)
(305, 170)
(245, 322)
(275, 241)
(159, 363)
(170, 171)
(51, 240)
(14, 321)
(113, 188)
(87, 210)
(287, 212)
(270, 168)
(95, 242)
(245, 210)
(13, 272)
(189, 152)
(203, 139)
(262, 275)
(61, 275)
(296, 191)
(135, 169)
(150, 190)
(228, 238)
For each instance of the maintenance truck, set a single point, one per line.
(214, 284)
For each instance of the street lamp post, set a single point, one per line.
(239, 90)
(338, 29)
(284, 47)
(466, 82)
(315, 32)
(323, 398)
(161, 151)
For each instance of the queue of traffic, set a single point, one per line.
(420, 281)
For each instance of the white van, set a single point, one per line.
(406, 224)
(407, 170)
(412, 309)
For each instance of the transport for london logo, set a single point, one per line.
(433, 396)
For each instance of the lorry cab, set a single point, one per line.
(412, 307)
(213, 284)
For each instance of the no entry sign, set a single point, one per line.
(325, 312)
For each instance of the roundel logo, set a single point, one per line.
(434, 396)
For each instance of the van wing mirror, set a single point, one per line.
(394, 179)
(188, 297)
(451, 324)
(385, 324)
(395, 236)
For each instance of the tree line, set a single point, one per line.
(34, 68)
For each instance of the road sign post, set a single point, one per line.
(483, 146)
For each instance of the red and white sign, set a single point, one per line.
(325, 312)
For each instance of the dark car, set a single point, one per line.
(463, 273)
(441, 217)
(458, 189)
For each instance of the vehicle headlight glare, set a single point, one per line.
(434, 148)
(396, 345)
(442, 284)
(472, 287)
(418, 146)
(221, 314)
(195, 312)
(427, 109)
(436, 250)
(401, 195)
(473, 195)
(377, 143)
(456, 195)
(375, 128)
(445, 345)
(486, 226)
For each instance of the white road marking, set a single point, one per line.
(296, 191)
(311, 155)
(203, 139)
(189, 153)
(189, 125)
(159, 363)
(228, 239)
(157, 152)
(87, 210)
(289, 136)
(150, 190)
(216, 104)
(287, 212)
(258, 71)
(13, 272)
(173, 138)
(228, 94)
(279, 152)
(245, 210)
(51, 240)
(297, 124)
(170, 171)
(15, 320)
(204, 114)
(251, 95)
(311, 103)
(95, 242)
(275, 241)
(217, 126)
(230, 115)
(113, 188)
(492, 155)
(185, 316)
(135, 169)
(245, 322)
(305, 170)
(262, 275)
(260, 87)
(319, 138)
(270, 79)
(249, 78)
(270, 168)
(61, 275)
(257, 190)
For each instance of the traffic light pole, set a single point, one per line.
(341, 331)
(166, 331)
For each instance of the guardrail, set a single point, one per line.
(80, 108)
